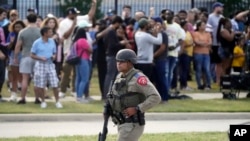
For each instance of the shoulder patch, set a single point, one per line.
(142, 80)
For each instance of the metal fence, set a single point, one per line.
(43, 7)
(53, 6)
(145, 5)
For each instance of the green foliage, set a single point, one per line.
(81, 5)
(232, 6)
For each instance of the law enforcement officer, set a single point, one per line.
(130, 96)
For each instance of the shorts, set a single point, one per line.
(27, 65)
(11, 60)
(224, 53)
(214, 56)
(45, 73)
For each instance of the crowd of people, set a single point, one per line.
(168, 45)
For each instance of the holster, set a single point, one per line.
(119, 118)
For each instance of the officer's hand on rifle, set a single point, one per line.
(130, 111)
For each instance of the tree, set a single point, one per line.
(231, 6)
(81, 5)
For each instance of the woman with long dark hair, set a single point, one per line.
(225, 36)
(15, 28)
(83, 50)
(53, 24)
(203, 42)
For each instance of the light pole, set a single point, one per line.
(192, 3)
(116, 6)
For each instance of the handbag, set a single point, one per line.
(73, 58)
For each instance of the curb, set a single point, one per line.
(98, 117)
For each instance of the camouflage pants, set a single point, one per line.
(129, 132)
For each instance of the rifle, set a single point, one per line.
(103, 134)
(107, 113)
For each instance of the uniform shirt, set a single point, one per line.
(44, 49)
(238, 61)
(64, 26)
(141, 84)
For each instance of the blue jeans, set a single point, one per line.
(160, 80)
(184, 64)
(202, 63)
(86, 90)
(82, 77)
(170, 65)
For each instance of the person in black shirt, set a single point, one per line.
(160, 60)
(101, 56)
(113, 45)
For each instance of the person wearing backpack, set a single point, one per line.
(83, 50)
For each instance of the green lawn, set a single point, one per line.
(216, 105)
(94, 87)
(197, 136)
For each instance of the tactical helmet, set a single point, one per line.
(126, 55)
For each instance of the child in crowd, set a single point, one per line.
(239, 55)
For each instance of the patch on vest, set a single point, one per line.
(142, 80)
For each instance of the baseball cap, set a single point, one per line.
(217, 4)
(111, 12)
(157, 19)
(50, 15)
(72, 10)
(143, 22)
(83, 24)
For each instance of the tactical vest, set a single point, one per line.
(120, 98)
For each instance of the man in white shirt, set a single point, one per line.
(175, 36)
(65, 31)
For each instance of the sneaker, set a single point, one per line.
(47, 97)
(207, 88)
(22, 101)
(61, 95)
(200, 88)
(187, 89)
(37, 101)
(43, 105)
(82, 100)
(58, 105)
(2, 100)
(13, 97)
(73, 94)
(90, 98)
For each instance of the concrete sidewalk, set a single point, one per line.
(98, 117)
(194, 96)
